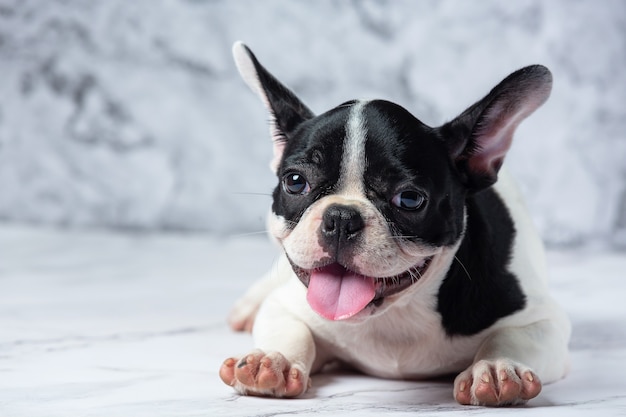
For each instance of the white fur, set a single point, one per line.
(353, 158)
(385, 344)
(248, 73)
(378, 255)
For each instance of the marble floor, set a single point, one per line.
(105, 324)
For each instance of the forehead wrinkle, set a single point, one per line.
(353, 160)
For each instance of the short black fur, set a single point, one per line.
(479, 288)
(314, 151)
(403, 153)
(286, 109)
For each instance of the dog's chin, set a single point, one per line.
(384, 287)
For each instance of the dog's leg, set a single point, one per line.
(281, 365)
(512, 363)
(243, 313)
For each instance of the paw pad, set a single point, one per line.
(263, 374)
(496, 383)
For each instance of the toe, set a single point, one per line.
(269, 377)
(485, 390)
(509, 387)
(462, 392)
(295, 384)
(531, 385)
(227, 371)
(247, 369)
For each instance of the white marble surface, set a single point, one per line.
(102, 324)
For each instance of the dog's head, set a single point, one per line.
(371, 201)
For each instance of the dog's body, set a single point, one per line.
(402, 258)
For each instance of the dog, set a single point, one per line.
(408, 252)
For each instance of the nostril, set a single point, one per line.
(329, 225)
(354, 225)
(342, 222)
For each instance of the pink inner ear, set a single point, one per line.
(494, 136)
(493, 144)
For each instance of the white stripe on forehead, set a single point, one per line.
(353, 158)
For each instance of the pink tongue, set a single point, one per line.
(336, 293)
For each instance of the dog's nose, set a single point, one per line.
(341, 223)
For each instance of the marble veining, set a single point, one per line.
(110, 324)
(132, 115)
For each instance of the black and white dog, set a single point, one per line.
(405, 254)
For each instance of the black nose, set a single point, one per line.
(341, 224)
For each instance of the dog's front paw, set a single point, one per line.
(496, 383)
(270, 375)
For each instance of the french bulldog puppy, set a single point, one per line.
(408, 252)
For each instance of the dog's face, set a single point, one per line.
(366, 199)
(370, 201)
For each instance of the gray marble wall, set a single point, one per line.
(130, 114)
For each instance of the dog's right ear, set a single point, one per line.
(286, 111)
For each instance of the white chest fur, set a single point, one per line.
(407, 341)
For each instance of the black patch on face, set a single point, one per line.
(470, 304)
(315, 152)
(405, 154)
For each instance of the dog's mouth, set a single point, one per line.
(337, 293)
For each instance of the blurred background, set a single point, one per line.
(131, 115)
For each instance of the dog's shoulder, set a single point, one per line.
(499, 261)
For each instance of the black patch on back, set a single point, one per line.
(470, 304)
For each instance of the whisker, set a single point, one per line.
(261, 232)
(393, 230)
(416, 275)
(403, 237)
(463, 266)
(291, 223)
(247, 193)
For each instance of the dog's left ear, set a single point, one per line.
(286, 111)
(479, 138)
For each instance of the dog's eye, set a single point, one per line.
(408, 200)
(295, 183)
